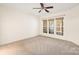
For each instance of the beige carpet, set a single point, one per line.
(40, 45)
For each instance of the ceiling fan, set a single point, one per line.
(44, 8)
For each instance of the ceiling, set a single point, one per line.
(28, 7)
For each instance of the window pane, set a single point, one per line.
(51, 26)
(44, 26)
(59, 26)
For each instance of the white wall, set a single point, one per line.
(71, 25)
(16, 25)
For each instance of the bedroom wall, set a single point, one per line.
(16, 25)
(71, 25)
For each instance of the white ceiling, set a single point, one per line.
(28, 7)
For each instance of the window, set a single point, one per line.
(59, 26)
(44, 26)
(51, 26)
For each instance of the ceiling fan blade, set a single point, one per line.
(36, 8)
(46, 10)
(42, 5)
(49, 7)
(39, 11)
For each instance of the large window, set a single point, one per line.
(59, 26)
(53, 26)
